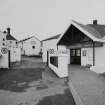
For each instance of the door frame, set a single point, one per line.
(75, 56)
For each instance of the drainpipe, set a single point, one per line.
(93, 53)
(57, 46)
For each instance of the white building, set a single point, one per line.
(14, 51)
(30, 46)
(4, 63)
(49, 44)
(86, 44)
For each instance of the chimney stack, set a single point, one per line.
(95, 22)
(8, 30)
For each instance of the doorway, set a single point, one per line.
(75, 56)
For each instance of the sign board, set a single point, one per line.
(4, 50)
(51, 51)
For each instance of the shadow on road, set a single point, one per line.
(59, 99)
(18, 80)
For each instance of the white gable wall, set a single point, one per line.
(28, 46)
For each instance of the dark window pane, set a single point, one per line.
(33, 47)
(54, 60)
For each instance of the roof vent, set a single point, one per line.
(95, 22)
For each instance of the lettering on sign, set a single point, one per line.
(63, 52)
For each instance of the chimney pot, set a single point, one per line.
(95, 22)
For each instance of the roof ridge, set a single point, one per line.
(52, 37)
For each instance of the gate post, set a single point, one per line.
(47, 57)
(9, 60)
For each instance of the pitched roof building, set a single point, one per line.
(86, 44)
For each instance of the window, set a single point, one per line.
(54, 60)
(3, 39)
(3, 44)
(78, 52)
(84, 53)
(72, 52)
(33, 47)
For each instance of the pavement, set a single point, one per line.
(88, 88)
(32, 83)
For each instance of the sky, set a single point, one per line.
(46, 18)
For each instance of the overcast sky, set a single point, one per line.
(45, 18)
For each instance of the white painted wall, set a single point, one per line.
(11, 44)
(3, 57)
(99, 59)
(27, 47)
(88, 59)
(62, 69)
(15, 54)
(20, 45)
(4, 61)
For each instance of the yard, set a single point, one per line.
(32, 83)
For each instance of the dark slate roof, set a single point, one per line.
(99, 28)
(10, 37)
(28, 39)
(97, 31)
(54, 37)
(25, 39)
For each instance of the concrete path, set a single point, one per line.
(88, 87)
